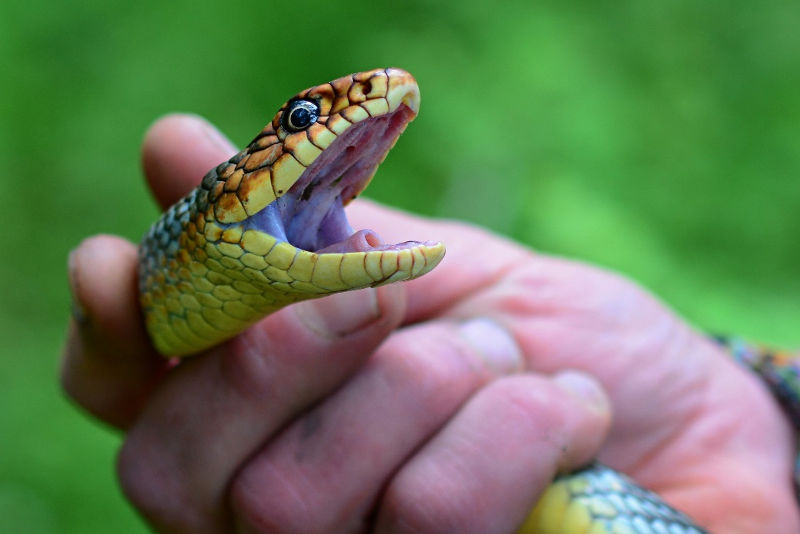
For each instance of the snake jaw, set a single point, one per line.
(402, 89)
(311, 215)
(334, 158)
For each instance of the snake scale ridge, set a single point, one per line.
(267, 228)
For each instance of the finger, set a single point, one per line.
(485, 470)
(108, 366)
(178, 150)
(337, 458)
(216, 409)
(566, 315)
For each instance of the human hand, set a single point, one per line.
(297, 426)
(688, 422)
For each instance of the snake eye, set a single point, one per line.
(300, 115)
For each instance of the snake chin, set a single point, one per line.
(311, 215)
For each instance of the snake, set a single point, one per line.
(267, 228)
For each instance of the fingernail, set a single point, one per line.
(342, 314)
(495, 344)
(76, 307)
(583, 387)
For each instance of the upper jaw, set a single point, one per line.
(402, 89)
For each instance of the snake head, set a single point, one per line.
(336, 123)
(268, 228)
(318, 153)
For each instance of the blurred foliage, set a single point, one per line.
(661, 140)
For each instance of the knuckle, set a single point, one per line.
(161, 495)
(255, 365)
(436, 367)
(146, 488)
(245, 370)
(547, 418)
(269, 502)
(528, 401)
(411, 505)
(134, 478)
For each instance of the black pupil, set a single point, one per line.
(301, 115)
(300, 118)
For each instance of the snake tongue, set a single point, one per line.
(361, 241)
(367, 241)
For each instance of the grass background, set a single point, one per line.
(659, 140)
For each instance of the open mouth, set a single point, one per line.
(310, 216)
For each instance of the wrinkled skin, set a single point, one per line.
(441, 405)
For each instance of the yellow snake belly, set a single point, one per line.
(266, 229)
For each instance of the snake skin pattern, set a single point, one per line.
(217, 261)
(599, 500)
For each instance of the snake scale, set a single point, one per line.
(267, 228)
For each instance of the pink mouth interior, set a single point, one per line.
(311, 215)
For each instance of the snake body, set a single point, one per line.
(266, 229)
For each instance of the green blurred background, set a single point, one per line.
(659, 140)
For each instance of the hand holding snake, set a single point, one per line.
(446, 404)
